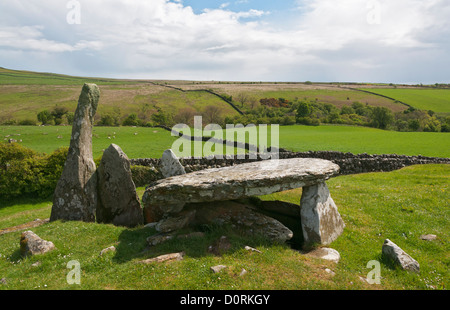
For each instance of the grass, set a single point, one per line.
(399, 205)
(437, 100)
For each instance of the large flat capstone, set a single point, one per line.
(240, 181)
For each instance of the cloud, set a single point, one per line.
(322, 39)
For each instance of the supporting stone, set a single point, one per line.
(170, 165)
(75, 197)
(321, 221)
(118, 202)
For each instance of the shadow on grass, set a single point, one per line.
(133, 243)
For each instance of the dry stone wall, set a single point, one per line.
(349, 163)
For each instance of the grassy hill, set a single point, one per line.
(437, 100)
(24, 94)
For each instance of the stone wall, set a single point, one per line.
(348, 162)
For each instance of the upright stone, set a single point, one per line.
(320, 219)
(75, 197)
(118, 202)
(170, 165)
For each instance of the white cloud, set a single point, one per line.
(166, 39)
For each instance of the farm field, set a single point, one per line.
(152, 142)
(437, 100)
(400, 205)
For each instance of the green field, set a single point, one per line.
(400, 205)
(18, 77)
(437, 100)
(152, 142)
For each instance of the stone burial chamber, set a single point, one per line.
(226, 195)
(217, 196)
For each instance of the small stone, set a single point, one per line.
(252, 249)
(36, 264)
(397, 255)
(32, 244)
(243, 272)
(3, 281)
(331, 272)
(325, 253)
(218, 268)
(164, 258)
(428, 237)
(110, 249)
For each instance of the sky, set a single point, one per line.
(388, 41)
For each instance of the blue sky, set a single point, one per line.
(402, 41)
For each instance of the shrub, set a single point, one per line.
(143, 176)
(24, 172)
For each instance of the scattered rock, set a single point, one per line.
(331, 272)
(36, 264)
(393, 252)
(109, 249)
(325, 253)
(252, 249)
(3, 281)
(170, 165)
(32, 244)
(428, 237)
(118, 201)
(75, 197)
(164, 258)
(243, 272)
(218, 268)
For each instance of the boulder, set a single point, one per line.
(170, 165)
(75, 196)
(394, 253)
(32, 244)
(320, 219)
(118, 201)
(325, 253)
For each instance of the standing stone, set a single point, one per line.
(118, 201)
(321, 221)
(170, 165)
(397, 255)
(75, 197)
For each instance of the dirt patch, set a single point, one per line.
(32, 224)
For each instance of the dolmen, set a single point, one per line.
(186, 198)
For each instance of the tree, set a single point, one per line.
(242, 98)
(212, 114)
(44, 117)
(131, 120)
(382, 117)
(304, 109)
